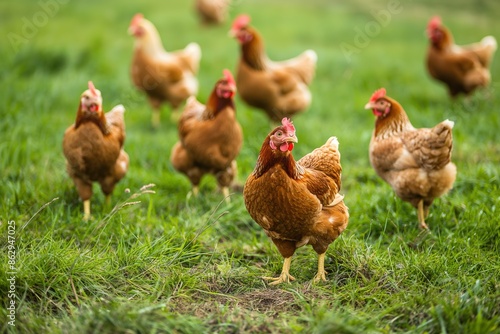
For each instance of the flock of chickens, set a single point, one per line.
(296, 202)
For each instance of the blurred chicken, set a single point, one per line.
(93, 147)
(210, 137)
(415, 162)
(163, 76)
(279, 88)
(461, 68)
(297, 203)
(212, 11)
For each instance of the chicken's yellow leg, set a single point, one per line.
(155, 118)
(107, 201)
(195, 190)
(421, 215)
(86, 209)
(285, 274)
(175, 115)
(225, 192)
(321, 275)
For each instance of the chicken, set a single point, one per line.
(210, 137)
(297, 203)
(461, 68)
(93, 147)
(279, 88)
(163, 76)
(212, 11)
(415, 162)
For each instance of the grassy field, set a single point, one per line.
(166, 262)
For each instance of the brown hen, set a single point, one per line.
(297, 203)
(93, 147)
(461, 68)
(163, 76)
(415, 162)
(279, 88)
(212, 11)
(210, 137)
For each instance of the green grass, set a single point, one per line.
(176, 264)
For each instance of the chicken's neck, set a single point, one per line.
(253, 52)
(396, 121)
(445, 42)
(215, 104)
(268, 159)
(150, 44)
(100, 121)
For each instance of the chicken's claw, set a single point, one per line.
(284, 277)
(285, 274)
(320, 276)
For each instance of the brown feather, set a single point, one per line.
(415, 162)
(462, 69)
(278, 88)
(210, 140)
(164, 76)
(294, 202)
(94, 151)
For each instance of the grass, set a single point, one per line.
(164, 262)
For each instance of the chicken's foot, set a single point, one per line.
(285, 274)
(321, 275)
(86, 209)
(421, 215)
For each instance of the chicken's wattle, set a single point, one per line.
(286, 147)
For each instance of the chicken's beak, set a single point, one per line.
(369, 105)
(232, 33)
(292, 139)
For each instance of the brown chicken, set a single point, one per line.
(93, 147)
(163, 76)
(210, 137)
(297, 203)
(279, 88)
(212, 11)
(415, 162)
(461, 68)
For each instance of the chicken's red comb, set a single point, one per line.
(434, 23)
(287, 124)
(229, 77)
(378, 94)
(92, 89)
(241, 21)
(136, 20)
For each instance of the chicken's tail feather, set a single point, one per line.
(118, 108)
(312, 55)
(194, 50)
(333, 141)
(448, 123)
(489, 41)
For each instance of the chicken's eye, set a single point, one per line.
(279, 134)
